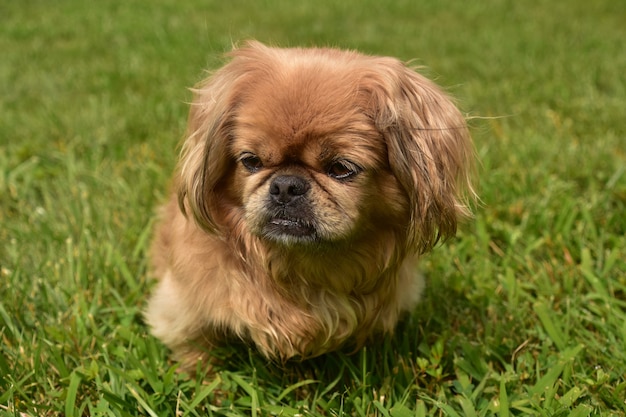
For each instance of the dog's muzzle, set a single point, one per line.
(289, 209)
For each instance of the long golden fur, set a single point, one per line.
(310, 180)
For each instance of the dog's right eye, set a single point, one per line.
(343, 170)
(251, 162)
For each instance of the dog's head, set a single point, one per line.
(321, 146)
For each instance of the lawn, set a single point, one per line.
(524, 313)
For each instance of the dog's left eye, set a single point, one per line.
(343, 170)
(251, 162)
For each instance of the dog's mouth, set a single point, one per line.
(289, 229)
(288, 219)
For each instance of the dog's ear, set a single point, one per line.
(205, 158)
(204, 154)
(429, 149)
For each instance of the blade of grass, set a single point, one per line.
(582, 410)
(547, 317)
(293, 387)
(546, 382)
(381, 408)
(254, 399)
(141, 401)
(466, 405)
(205, 392)
(503, 400)
(72, 390)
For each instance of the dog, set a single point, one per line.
(310, 181)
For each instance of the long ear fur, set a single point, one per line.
(204, 150)
(430, 150)
(205, 155)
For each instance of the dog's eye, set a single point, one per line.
(251, 162)
(343, 170)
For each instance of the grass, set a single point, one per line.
(524, 314)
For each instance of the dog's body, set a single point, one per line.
(310, 181)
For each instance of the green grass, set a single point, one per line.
(524, 314)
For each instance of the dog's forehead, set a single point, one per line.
(304, 111)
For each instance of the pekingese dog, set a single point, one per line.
(309, 182)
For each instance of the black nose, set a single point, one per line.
(285, 188)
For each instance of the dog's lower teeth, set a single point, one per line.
(285, 227)
(284, 222)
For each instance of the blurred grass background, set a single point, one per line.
(525, 313)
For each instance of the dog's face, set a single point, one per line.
(309, 147)
(311, 166)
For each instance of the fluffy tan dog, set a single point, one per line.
(310, 180)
